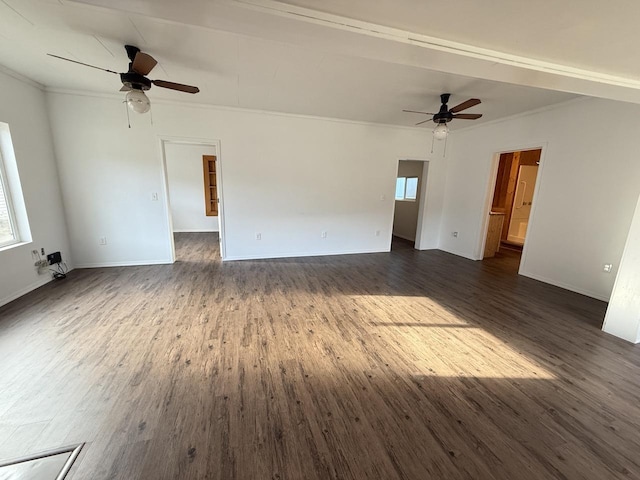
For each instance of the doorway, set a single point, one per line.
(409, 199)
(511, 205)
(192, 177)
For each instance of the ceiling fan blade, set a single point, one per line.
(175, 86)
(143, 63)
(125, 89)
(424, 121)
(81, 63)
(464, 105)
(468, 116)
(415, 111)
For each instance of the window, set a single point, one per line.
(407, 188)
(401, 185)
(8, 232)
(14, 224)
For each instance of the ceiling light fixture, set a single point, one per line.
(441, 131)
(137, 101)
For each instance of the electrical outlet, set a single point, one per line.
(377, 233)
(42, 266)
(607, 267)
(103, 240)
(383, 197)
(323, 234)
(154, 196)
(454, 234)
(258, 236)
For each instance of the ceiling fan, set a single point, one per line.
(446, 114)
(135, 80)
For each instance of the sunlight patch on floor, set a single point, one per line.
(445, 345)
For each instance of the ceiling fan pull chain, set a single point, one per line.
(433, 139)
(127, 109)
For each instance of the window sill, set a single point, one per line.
(405, 200)
(13, 245)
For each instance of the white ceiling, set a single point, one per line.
(254, 58)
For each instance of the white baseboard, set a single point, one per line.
(301, 254)
(404, 238)
(459, 254)
(565, 286)
(123, 264)
(196, 230)
(555, 283)
(428, 247)
(29, 288)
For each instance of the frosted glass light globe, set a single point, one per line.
(137, 101)
(441, 131)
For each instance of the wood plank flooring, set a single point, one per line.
(406, 365)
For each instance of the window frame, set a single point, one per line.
(13, 224)
(404, 195)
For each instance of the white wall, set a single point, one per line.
(287, 177)
(588, 185)
(433, 185)
(623, 313)
(22, 106)
(185, 176)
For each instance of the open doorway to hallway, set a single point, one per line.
(409, 197)
(511, 205)
(192, 184)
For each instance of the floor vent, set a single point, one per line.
(50, 465)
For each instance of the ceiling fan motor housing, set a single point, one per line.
(443, 115)
(131, 52)
(135, 80)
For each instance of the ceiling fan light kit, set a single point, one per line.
(135, 80)
(441, 131)
(137, 101)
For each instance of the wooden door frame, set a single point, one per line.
(484, 220)
(203, 142)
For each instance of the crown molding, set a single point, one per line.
(527, 113)
(18, 76)
(211, 106)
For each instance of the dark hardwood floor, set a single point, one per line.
(406, 365)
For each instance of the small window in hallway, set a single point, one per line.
(407, 188)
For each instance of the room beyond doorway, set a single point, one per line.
(197, 246)
(193, 182)
(512, 202)
(409, 197)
